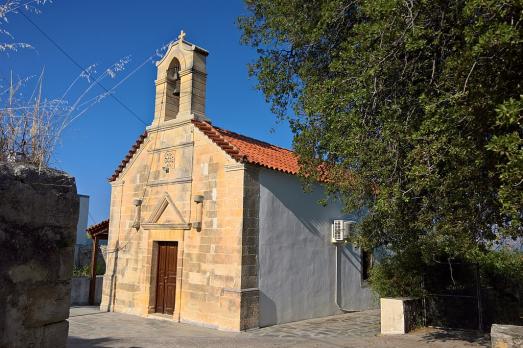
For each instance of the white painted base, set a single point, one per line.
(397, 317)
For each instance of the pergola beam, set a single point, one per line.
(97, 232)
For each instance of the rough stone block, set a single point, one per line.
(38, 217)
(48, 304)
(506, 336)
(55, 335)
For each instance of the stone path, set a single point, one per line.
(89, 327)
(357, 324)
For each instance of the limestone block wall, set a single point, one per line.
(249, 312)
(191, 65)
(162, 167)
(38, 218)
(212, 264)
(217, 264)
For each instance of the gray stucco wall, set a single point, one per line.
(82, 245)
(297, 259)
(81, 235)
(80, 290)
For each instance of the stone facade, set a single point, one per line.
(211, 276)
(216, 267)
(38, 217)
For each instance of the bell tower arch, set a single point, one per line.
(181, 82)
(171, 102)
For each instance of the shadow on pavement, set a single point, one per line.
(77, 342)
(446, 335)
(83, 315)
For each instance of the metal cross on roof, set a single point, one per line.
(181, 36)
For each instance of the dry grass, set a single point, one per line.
(26, 129)
(30, 123)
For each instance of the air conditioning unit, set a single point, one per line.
(341, 230)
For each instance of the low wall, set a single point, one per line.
(38, 218)
(80, 290)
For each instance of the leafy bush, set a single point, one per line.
(402, 274)
(84, 271)
(501, 279)
(397, 276)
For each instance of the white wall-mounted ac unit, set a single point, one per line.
(341, 230)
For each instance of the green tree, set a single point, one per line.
(413, 106)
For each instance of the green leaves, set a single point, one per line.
(508, 144)
(418, 100)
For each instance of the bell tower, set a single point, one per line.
(180, 83)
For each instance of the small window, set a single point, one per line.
(366, 264)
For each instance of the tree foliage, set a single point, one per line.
(418, 100)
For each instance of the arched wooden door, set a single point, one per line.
(166, 277)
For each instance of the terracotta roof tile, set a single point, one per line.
(241, 148)
(129, 155)
(99, 228)
(249, 150)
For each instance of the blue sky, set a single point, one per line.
(101, 32)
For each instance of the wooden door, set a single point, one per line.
(166, 277)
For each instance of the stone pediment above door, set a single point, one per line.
(165, 215)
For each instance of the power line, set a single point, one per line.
(134, 114)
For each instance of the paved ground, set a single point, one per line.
(91, 328)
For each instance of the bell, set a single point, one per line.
(176, 91)
(173, 77)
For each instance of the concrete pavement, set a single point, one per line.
(92, 328)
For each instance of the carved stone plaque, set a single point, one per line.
(168, 161)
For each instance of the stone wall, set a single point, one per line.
(38, 217)
(506, 336)
(249, 312)
(212, 285)
(211, 282)
(130, 278)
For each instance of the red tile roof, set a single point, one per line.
(129, 155)
(249, 150)
(241, 148)
(101, 229)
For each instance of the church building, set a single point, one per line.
(211, 227)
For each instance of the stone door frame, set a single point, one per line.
(151, 267)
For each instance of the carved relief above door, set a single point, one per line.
(165, 215)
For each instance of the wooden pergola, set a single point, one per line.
(97, 232)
